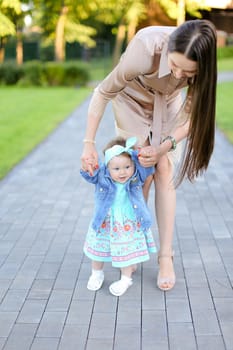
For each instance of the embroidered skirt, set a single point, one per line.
(120, 239)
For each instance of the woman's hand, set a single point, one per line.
(89, 158)
(149, 156)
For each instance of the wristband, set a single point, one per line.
(173, 141)
(89, 141)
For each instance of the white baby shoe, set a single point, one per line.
(95, 280)
(118, 288)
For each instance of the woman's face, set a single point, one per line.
(181, 66)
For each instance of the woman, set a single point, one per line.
(145, 89)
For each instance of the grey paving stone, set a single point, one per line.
(127, 337)
(45, 344)
(154, 328)
(9, 270)
(224, 308)
(32, 311)
(7, 320)
(200, 298)
(220, 287)
(48, 270)
(181, 336)
(105, 302)
(4, 286)
(80, 312)
(21, 337)
(51, 325)
(41, 289)
(103, 344)
(227, 331)
(13, 300)
(73, 337)
(178, 310)
(2, 342)
(206, 322)
(4, 228)
(102, 325)
(212, 342)
(59, 300)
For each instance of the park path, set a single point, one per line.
(45, 209)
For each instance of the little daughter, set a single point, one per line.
(120, 228)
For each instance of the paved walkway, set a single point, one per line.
(45, 208)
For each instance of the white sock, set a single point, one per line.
(97, 273)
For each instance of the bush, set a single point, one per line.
(10, 73)
(74, 75)
(54, 73)
(36, 73)
(32, 74)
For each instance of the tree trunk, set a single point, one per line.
(131, 31)
(181, 12)
(60, 35)
(2, 50)
(119, 43)
(19, 49)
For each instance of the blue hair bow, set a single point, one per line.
(116, 150)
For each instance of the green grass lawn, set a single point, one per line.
(225, 64)
(224, 110)
(28, 115)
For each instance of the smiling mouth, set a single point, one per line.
(123, 178)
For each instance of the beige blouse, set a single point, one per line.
(146, 97)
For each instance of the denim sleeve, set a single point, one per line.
(142, 171)
(92, 179)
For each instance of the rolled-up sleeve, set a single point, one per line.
(136, 60)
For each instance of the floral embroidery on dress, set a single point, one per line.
(120, 239)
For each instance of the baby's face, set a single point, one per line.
(121, 168)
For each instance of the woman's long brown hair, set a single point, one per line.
(196, 39)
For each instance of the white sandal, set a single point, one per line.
(95, 280)
(118, 288)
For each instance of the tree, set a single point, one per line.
(123, 15)
(176, 9)
(60, 22)
(11, 23)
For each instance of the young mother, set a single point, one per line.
(145, 90)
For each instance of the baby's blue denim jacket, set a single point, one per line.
(105, 191)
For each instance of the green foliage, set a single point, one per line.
(65, 74)
(46, 14)
(113, 12)
(14, 5)
(75, 75)
(10, 73)
(33, 74)
(54, 73)
(11, 16)
(36, 73)
(6, 26)
(192, 7)
(80, 33)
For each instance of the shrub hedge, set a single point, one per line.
(36, 73)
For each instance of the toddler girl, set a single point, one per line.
(120, 228)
